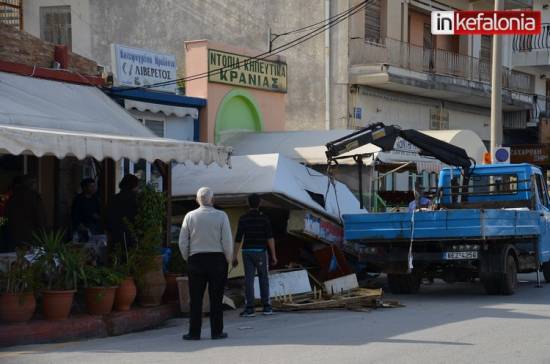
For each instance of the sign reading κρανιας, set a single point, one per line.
(238, 70)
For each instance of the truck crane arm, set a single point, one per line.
(384, 136)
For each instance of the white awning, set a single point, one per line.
(266, 174)
(167, 110)
(44, 117)
(309, 147)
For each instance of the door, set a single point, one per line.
(428, 46)
(544, 204)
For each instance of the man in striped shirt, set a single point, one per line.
(256, 236)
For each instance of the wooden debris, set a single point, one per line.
(360, 299)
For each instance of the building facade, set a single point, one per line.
(383, 64)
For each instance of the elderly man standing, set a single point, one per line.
(206, 244)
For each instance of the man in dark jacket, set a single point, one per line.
(86, 211)
(256, 236)
(25, 213)
(123, 208)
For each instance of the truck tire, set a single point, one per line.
(546, 271)
(404, 283)
(490, 283)
(509, 280)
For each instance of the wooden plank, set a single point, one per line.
(341, 284)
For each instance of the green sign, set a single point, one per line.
(238, 70)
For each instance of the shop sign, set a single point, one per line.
(135, 67)
(239, 70)
(401, 146)
(534, 154)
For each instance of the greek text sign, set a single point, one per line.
(238, 70)
(135, 67)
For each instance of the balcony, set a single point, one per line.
(435, 73)
(532, 51)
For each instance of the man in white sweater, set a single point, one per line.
(206, 243)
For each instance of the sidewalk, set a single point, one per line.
(79, 327)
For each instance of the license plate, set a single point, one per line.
(460, 255)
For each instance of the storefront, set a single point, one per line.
(60, 133)
(244, 94)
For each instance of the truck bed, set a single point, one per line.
(443, 224)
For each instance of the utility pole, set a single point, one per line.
(496, 89)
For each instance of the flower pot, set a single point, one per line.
(100, 300)
(17, 307)
(171, 293)
(56, 305)
(125, 294)
(152, 285)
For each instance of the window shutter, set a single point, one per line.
(156, 126)
(372, 22)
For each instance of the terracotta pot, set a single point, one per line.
(56, 305)
(17, 307)
(125, 294)
(100, 300)
(171, 294)
(152, 286)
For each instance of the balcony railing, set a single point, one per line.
(526, 43)
(11, 13)
(438, 61)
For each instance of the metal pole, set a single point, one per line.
(496, 89)
(359, 161)
(327, 68)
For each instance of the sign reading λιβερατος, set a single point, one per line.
(238, 70)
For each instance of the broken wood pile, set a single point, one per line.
(361, 299)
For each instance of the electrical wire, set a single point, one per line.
(331, 22)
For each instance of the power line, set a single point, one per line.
(330, 22)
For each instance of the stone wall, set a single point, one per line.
(21, 47)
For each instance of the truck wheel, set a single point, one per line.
(509, 280)
(404, 283)
(546, 271)
(490, 283)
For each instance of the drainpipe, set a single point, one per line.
(496, 89)
(327, 68)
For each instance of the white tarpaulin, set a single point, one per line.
(45, 117)
(267, 174)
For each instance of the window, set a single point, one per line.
(156, 126)
(494, 184)
(373, 27)
(439, 119)
(55, 25)
(486, 51)
(541, 189)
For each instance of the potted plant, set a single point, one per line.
(17, 300)
(146, 261)
(176, 268)
(101, 284)
(62, 266)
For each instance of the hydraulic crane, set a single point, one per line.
(384, 136)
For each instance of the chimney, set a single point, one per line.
(61, 55)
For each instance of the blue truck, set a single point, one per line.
(487, 222)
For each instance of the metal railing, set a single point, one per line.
(11, 13)
(527, 43)
(438, 61)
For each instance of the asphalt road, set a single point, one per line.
(442, 324)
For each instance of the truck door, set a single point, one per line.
(544, 205)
